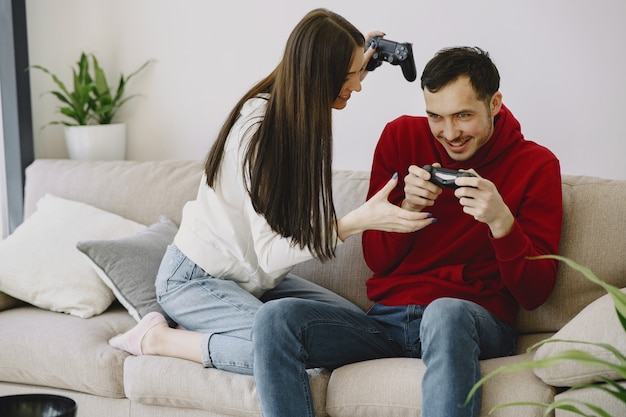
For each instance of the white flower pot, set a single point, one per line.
(96, 142)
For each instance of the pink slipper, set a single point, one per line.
(131, 340)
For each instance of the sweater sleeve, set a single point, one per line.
(275, 253)
(536, 231)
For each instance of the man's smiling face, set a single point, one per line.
(459, 120)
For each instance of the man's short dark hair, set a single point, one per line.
(451, 63)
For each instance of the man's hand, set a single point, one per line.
(419, 193)
(480, 199)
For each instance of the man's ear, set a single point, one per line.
(495, 103)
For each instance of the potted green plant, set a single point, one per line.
(617, 363)
(90, 105)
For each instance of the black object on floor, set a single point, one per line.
(37, 405)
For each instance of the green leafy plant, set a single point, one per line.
(608, 386)
(90, 100)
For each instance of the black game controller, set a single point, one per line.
(395, 53)
(444, 178)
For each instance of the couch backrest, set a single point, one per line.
(594, 229)
(140, 191)
(594, 235)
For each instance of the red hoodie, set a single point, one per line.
(457, 256)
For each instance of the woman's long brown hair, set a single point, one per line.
(288, 165)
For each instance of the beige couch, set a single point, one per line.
(49, 352)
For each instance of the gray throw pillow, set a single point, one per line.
(128, 266)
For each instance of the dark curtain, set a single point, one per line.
(16, 108)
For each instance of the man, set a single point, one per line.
(447, 293)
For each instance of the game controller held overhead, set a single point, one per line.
(395, 53)
(445, 178)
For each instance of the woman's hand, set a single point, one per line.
(369, 52)
(379, 214)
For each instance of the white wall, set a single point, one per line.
(563, 68)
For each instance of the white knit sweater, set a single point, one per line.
(223, 234)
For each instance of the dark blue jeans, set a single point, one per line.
(450, 335)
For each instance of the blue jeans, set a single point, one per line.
(222, 310)
(450, 335)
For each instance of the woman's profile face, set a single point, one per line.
(352, 81)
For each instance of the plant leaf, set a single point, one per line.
(564, 404)
(568, 405)
(102, 87)
(609, 386)
(141, 68)
(618, 355)
(91, 98)
(60, 97)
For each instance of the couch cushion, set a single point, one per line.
(355, 390)
(596, 323)
(594, 235)
(56, 350)
(39, 262)
(164, 381)
(593, 395)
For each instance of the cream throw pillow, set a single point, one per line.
(39, 262)
(597, 323)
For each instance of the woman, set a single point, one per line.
(264, 205)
